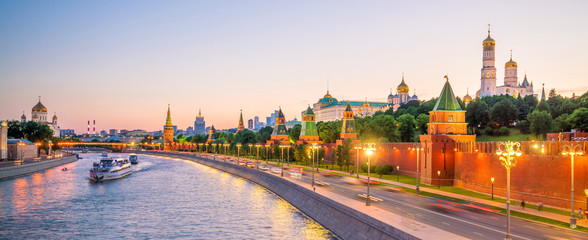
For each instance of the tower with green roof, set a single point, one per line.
(447, 117)
(543, 98)
(348, 127)
(308, 132)
(280, 133)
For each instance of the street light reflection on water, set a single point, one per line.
(164, 198)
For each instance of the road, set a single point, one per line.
(441, 213)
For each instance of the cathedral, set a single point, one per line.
(488, 79)
(402, 96)
(39, 115)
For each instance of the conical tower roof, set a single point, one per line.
(543, 93)
(348, 107)
(447, 101)
(525, 81)
(280, 113)
(309, 111)
(168, 119)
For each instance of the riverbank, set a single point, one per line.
(28, 168)
(342, 216)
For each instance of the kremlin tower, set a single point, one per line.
(211, 135)
(241, 127)
(348, 127)
(168, 132)
(280, 133)
(488, 79)
(308, 132)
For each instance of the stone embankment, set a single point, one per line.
(16, 171)
(343, 221)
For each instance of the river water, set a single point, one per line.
(164, 198)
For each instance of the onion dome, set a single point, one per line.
(467, 98)
(510, 63)
(366, 104)
(23, 116)
(328, 99)
(39, 107)
(54, 116)
(328, 95)
(488, 41)
(402, 87)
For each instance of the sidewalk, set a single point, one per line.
(554, 216)
(549, 215)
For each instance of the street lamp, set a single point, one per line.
(21, 145)
(313, 147)
(586, 192)
(397, 173)
(572, 150)
(507, 152)
(238, 151)
(492, 180)
(257, 159)
(282, 163)
(357, 148)
(369, 150)
(438, 179)
(419, 149)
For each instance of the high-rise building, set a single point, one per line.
(250, 124)
(199, 124)
(256, 122)
(113, 132)
(168, 131)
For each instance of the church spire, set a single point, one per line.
(543, 93)
(168, 119)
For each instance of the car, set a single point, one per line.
(250, 165)
(276, 170)
(264, 168)
(242, 164)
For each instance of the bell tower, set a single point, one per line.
(488, 78)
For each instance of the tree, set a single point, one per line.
(302, 153)
(540, 122)
(294, 134)
(181, 138)
(561, 123)
(543, 106)
(30, 130)
(344, 154)
(504, 112)
(265, 133)
(421, 123)
(329, 132)
(579, 119)
(199, 138)
(246, 137)
(531, 101)
(406, 128)
(477, 113)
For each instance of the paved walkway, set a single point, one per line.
(554, 216)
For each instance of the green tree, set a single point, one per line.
(531, 101)
(540, 123)
(477, 113)
(504, 112)
(294, 134)
(246, 137)
(421, 123)
(579, 119)
(543, 106)
(302, 153)
(561, 123)
(181, 138)
(344, 154)
(406, 128)
(265, 133)
(199, 138)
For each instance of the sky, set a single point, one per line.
(122, 62)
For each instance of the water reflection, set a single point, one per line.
(163, 198)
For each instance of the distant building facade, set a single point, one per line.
(39, 115)
(250, 124)
(199, 124)
(3, 140)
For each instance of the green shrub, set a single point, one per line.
(503, 131)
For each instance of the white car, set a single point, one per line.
(276, 170)
(264, 168)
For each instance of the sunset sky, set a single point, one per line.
(121, 62)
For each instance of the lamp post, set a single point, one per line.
(257, 159)
(238, 151)
(419, 149)
(438, 179)
(572, 150)
(586, 192)
(397, 173)
(282, 158)
(492, 180)
(21, 145)
(313, 147)
(369, 150)
(357, 148)
(507, 152)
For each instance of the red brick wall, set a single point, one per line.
(537, 176)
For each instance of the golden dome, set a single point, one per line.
(467, 98)
(54, 116)
(328, 95)
(402, 87)
(510, 63)
(488, 41)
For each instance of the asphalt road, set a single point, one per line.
(441, 213)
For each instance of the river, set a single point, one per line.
(164, 198)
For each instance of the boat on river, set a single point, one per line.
(109, 168)
(133, 158)
(104, 154)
